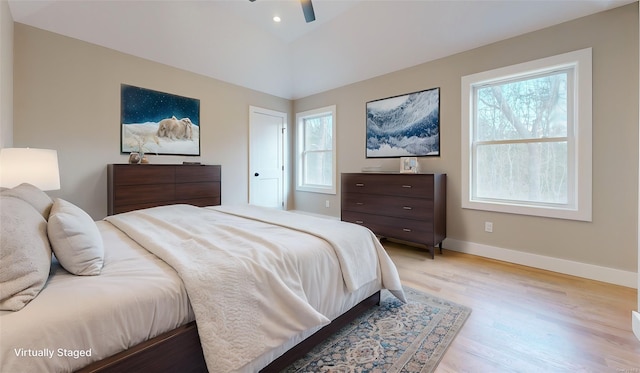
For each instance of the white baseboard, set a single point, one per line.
(590, 271)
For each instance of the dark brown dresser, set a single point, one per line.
(407, 207)
(137, 186)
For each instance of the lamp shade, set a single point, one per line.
(38, 167)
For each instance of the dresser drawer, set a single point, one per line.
(197, 190)
(403, 229)
(420, 185)
(197, 174)
(402, 207)
(143, 174)
(142, 194)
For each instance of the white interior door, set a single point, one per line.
(266, 158)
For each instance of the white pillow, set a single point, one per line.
(33, 196)
(75, 239)
(25, 254)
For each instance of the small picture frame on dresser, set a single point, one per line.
(409, 165)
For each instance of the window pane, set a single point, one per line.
(524, 109)
(318, 168)
(535, 172)
(318, 132)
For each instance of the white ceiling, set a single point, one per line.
(351, 40)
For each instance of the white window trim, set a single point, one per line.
(299, 182)
(582, 208)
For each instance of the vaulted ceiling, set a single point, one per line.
(237, 41)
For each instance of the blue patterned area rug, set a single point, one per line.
(393, 337)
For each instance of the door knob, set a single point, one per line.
(256, 174)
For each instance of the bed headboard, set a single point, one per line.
(137, 186)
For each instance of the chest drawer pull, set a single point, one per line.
(359, 222)
(407, 207)
(406, 229)
(359, 184)
(406, 186)
(359, 203)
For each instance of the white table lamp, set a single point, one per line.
(38, 167)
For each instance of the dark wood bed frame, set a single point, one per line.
(179, 350)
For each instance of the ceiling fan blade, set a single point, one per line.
(307, 9)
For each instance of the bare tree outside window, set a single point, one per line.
(521, 139)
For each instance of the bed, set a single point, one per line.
(122, 295)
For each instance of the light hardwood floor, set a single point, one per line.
(525, 319)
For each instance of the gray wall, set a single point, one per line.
(67, 97)
(610, 240)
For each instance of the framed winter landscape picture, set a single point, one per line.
(404, 126)
(154, 122)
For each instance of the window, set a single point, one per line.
(526, 138)
(317, 150)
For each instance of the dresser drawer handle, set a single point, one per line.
(406, 229)
(406, 186)
(359, 184)
(407, 207)
(359, 222)
(359, 203)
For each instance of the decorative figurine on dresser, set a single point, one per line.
(407, 207)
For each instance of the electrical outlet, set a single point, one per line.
(488, 226)
(327, 204)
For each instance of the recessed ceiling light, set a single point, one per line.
(276, 19)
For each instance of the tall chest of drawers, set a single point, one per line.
(408, 207)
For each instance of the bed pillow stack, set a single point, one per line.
(27, 240)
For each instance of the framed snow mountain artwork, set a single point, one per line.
(154, 122)
(404, 126)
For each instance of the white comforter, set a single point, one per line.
(244, 284)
